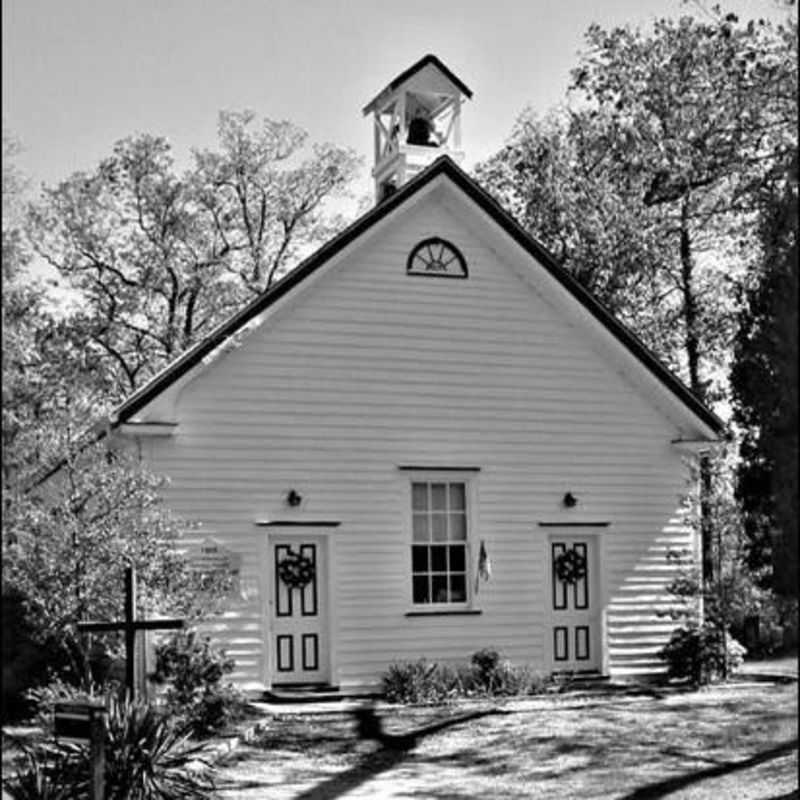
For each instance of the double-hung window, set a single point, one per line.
(439, 548)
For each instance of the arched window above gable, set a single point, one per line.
(438, 258)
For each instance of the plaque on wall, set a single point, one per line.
(213, 559)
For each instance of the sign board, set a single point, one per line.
(74, 721)
(212, 557)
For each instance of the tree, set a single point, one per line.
(730, 597)
(14, 183)
(681, 128)
(764, 381)
(555, 177)
(43, 362)
(68, 541)
(698, 114)
(644, 187)
(266, 214)
(160, 258)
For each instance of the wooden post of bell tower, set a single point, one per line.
(416, 118)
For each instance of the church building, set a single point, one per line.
(428, 439)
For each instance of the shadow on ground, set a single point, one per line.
(665, 787)
(394, 748)
(644, 749)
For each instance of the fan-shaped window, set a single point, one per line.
(437, 258)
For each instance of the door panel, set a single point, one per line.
(299, 615)
(575, 639)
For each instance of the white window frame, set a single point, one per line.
(468, 477)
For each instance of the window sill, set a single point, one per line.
(445, 612)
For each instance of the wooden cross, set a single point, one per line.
(131, 626)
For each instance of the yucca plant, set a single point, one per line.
(148, 757)
(49, 772)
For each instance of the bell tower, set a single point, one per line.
(417, 118)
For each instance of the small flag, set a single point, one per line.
(484, 566)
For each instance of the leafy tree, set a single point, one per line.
(643, 187)
(14, 183)
(698, 114)
(161, 258)
(68, 541)
(554, 175)
(43, 359)
(729, 596)
(671, 136)
(46, 366)
(764, 381)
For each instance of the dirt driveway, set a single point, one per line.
(732, 742)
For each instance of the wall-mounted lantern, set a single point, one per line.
(293, 498)
(570, 501)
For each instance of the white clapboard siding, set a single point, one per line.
(370, 369)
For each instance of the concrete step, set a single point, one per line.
(302, 693)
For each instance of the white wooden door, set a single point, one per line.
(575, 640)
(299, 615)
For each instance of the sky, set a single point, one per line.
(79, 75)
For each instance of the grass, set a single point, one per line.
(726, 742)
(737, 741)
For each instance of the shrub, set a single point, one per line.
(495, 677)
(194, 670)
(148, 757)
(424, 682)
(484, 665)
(421, 682)
(512, 680)
(696, 652)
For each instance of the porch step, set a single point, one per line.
(303, 693)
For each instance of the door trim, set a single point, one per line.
(328, 615)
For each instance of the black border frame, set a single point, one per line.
(278, 639)
(278, 582)
(315, 638)
(556, 630)
(588, 656)
(315, 610)
(557, 583)
(584, 548)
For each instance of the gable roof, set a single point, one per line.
(406, 74)
(443, 165)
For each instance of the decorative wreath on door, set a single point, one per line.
(570, 566)
(296, 571)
